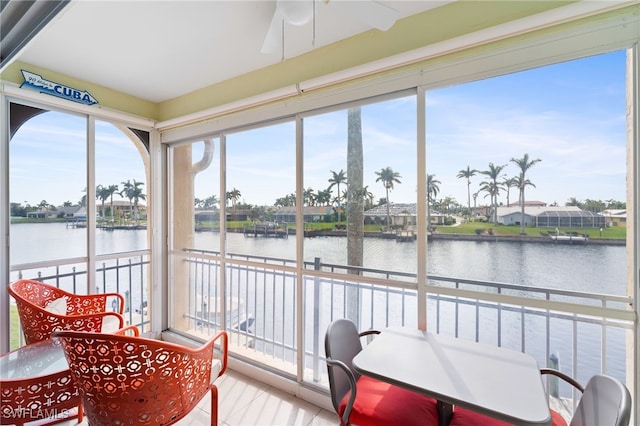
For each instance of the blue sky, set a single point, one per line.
(569, 115)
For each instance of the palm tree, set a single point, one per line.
(573, 202)
(355, 206)
(112, 189)
(335, 180)
(102, 194)
(133, 192)
(524, 164)
(233, 196)
(323, 197)
(494, 188)
(387, 176)
(475, 197)
(210, 202)
(509, 183)
(368, 197)
(432, 192)
(467, 174)
(309, 197)
(126, 192)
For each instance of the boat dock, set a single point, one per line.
(267, 229)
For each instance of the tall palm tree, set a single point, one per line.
(127, 188)
(432, 191)
(112, 189)
(102, 194)
(309, 197)
(137, 195)
(475, 197)
(133, 192)
(468, 174)
(355, 206)
(493, 189)
(336, 180)
(368, 197)
(524, 164)
(388, 177)
(233, 196)
(509, 183)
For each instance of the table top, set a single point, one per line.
(34, 360)
(494, 381)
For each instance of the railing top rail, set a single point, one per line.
(310, 267)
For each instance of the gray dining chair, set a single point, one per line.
(363, 400)
(605, 400)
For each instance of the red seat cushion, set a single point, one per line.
(464, 417)
(380, 403)
(557, 419)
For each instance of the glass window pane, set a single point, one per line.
(567, 123)
(260, 170)
(121, 190)
(47, 188)
(369, 183)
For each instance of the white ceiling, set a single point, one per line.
(158, 50)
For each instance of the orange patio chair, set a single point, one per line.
(134, 381)
(44, 308)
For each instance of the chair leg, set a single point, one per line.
(214, 405)
(80, 413)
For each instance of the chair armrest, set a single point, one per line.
(224, 349)
(92, 303)
(94, 322)
(563, 376)
(352, 385)
(368, 332)
(130, 330)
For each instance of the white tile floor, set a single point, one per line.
(247, 402)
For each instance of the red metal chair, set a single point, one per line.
(44, 308)
(36, 384)
(363, 400)
(134, 380)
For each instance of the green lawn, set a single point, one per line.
(14, 331)
(615, 232)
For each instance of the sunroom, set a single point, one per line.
(165, 120)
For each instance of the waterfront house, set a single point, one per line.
(615, 217)
(551, 217)
(191, 90)
(309, 214)
(400, 214)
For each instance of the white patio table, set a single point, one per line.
(497, 382)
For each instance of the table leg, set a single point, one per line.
(445, 411)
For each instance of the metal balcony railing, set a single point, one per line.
(581, 333)
(124, 273)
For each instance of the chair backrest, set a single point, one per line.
(605, 401)
(35, 292)
(134, 380)
(41, 294)
(44, 308)
(341, 343)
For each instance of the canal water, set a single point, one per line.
(587, 268)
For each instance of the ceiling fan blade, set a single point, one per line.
(272, 39)
(372, 13)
